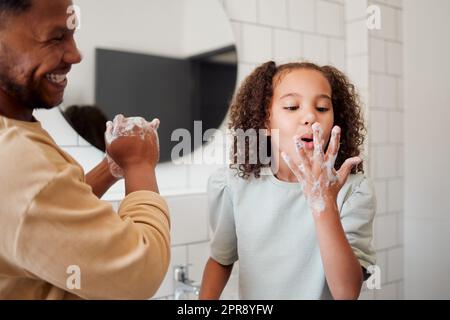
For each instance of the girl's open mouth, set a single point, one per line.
(307, 142)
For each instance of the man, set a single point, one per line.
(57, 239)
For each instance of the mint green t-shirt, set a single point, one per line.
(265, 223)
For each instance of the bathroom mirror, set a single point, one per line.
(173, 60)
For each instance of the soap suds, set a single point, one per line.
(316, 201)
(327, 177)
(329, 164)
(121, 127)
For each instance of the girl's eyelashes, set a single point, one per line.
(296, 107)
(293, 108)
(322, 109)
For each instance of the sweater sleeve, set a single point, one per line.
(119, 256)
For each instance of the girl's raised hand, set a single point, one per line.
(319, 180)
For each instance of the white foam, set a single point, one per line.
(315, 197)
(120, 127)
(318, 143)
(328, 176)
(317, 205)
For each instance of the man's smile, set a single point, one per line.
(58, 80)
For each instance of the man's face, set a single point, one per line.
(37, 50)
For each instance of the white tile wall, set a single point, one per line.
(244, 70)
(256, 43)
(395, 195)
(88, 156)
(330, 18)
(384, 78)
(386, 105)
(302, 15)
(395, 266)
(355, 9)
(384, 91)
(199, 174)
(395, 132)
(287, 45)
(172, 176)
(394, 58)
(357, 70)
(315, 48)
(385, 161)
(387, 292)
(245, 11)
(336, 53)
(273, 13)
(189, 218)
(386, 232)
(356, 30)
(382, 262)
(57, 127)
(381, 194)
(400, 160)
(198, 254)
(377, 55)
(379, 123)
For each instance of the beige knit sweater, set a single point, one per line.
(58, 240)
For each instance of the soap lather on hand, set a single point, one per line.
(122, 126)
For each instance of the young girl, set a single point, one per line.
(301, 227)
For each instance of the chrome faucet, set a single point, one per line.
(182, 284)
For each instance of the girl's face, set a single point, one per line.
(301, 98)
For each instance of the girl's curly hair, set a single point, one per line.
(250, 109)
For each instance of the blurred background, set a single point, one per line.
(401, 71)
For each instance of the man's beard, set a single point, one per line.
(25, 94)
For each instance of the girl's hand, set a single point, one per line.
(319, 180)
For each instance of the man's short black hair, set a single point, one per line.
(14, 6)
(11, 8)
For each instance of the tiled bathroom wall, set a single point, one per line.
(386, 145)
(374, 63)
(322, 31)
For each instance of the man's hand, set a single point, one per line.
(128, 127)
(134, 147)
